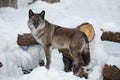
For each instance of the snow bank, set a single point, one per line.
(52, 74)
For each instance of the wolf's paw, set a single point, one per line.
(41, 63)
(67, 69)
(1, 64)
(82, 73)
(26, 71)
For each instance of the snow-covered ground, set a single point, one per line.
(103, 14)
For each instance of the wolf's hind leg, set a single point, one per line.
(77, 66)
(78, 61)
(67, 64)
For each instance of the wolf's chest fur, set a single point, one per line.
(37, 34)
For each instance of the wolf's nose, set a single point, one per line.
(35, 25)
(1, 64)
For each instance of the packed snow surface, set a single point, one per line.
(102, 14)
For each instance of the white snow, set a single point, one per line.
(68, 13)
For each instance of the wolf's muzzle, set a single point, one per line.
(35, 24)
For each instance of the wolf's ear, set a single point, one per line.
(30, 13)
(42, 14)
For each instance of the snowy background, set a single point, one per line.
(102, 14)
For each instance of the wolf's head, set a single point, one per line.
(36, 20)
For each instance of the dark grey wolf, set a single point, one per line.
(51, 36)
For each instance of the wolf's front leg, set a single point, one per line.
(48, 56)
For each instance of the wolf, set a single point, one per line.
(52, 36)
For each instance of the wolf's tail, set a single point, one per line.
(86, 57)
